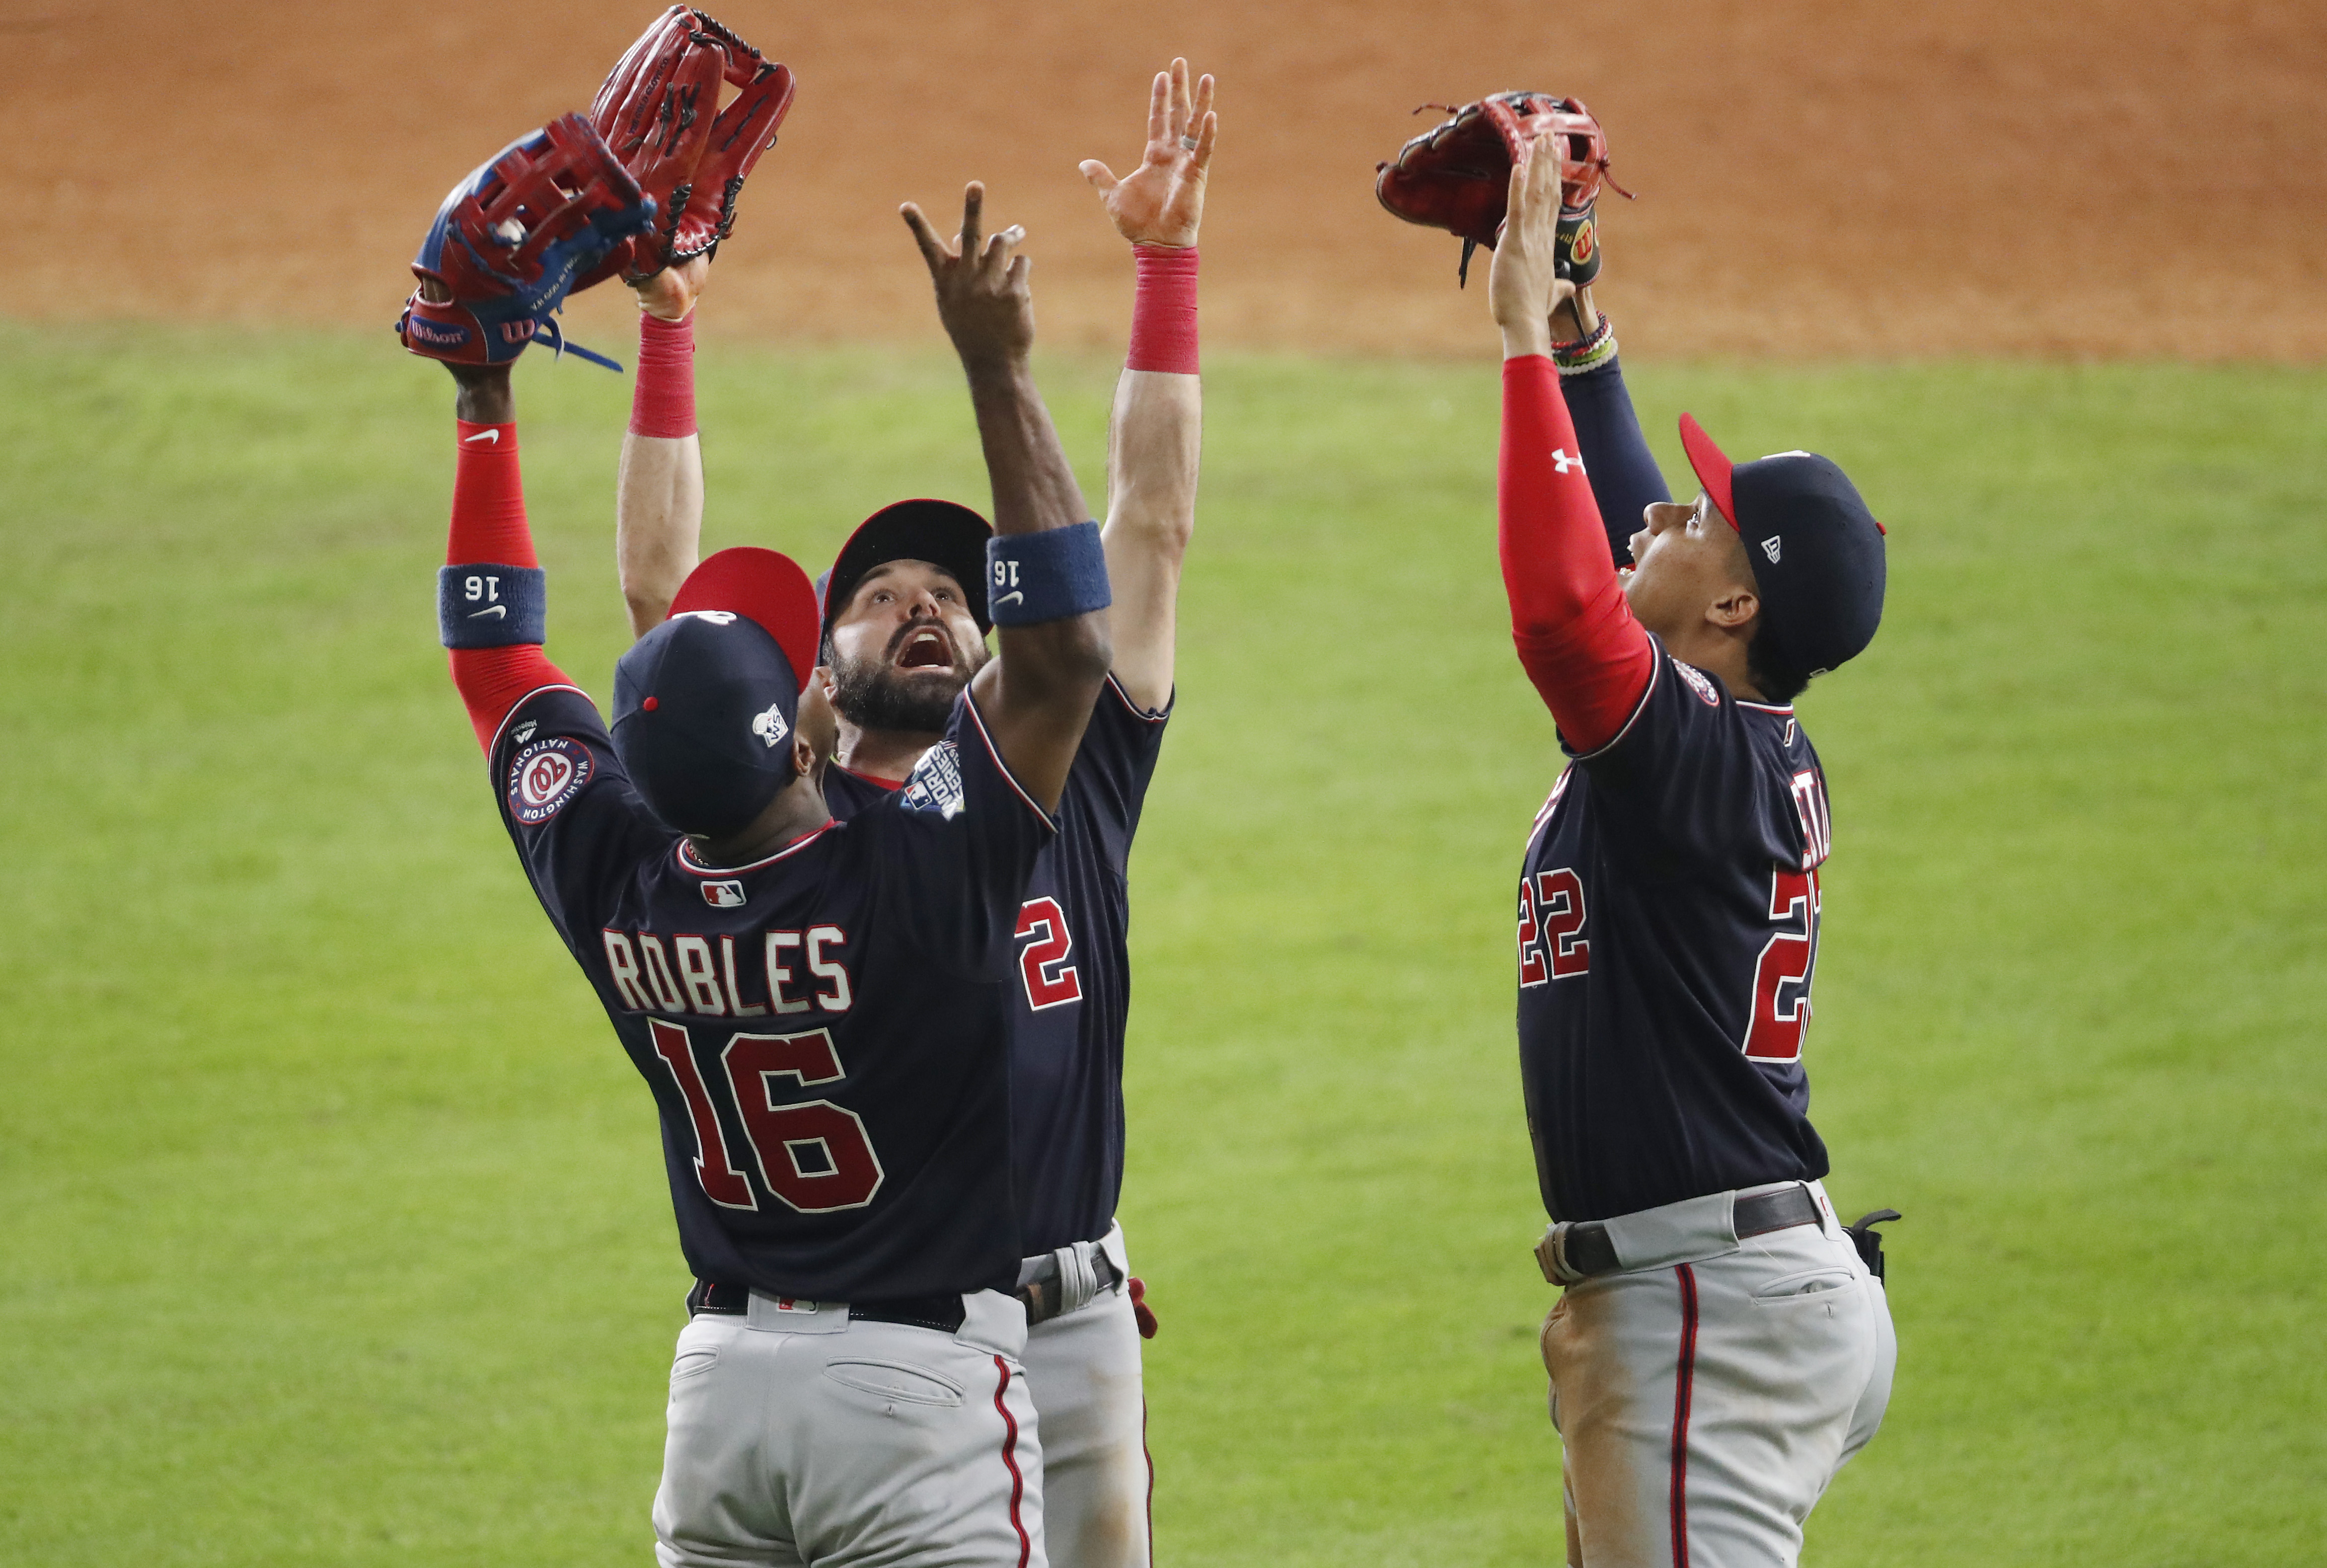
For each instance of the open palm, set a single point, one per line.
(1162, 202)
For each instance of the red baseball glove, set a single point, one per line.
(1458, 176)
(658, 110)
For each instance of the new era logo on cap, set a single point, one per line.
(1770, 548)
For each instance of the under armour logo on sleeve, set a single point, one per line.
(1561, 461)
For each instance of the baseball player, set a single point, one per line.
(907, 604)
(812, 1002)
(1720, 1348)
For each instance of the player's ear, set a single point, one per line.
(819, 726)
(1734, 608)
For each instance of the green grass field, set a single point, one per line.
(332, 1223)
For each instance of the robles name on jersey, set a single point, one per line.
(823, 1027)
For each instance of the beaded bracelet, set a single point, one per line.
(1587, 354)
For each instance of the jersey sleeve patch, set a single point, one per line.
(546, 775)
(935, 783)
(1699, 683)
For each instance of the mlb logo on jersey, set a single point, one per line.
(724, 895)
(545, 776)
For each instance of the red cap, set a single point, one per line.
(1713, 469)
(762, 587)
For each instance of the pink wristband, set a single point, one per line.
(662, 399)
(1164, 310)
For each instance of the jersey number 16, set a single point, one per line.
(813, 1155)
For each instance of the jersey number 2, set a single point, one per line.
(1050, 980)
(1782, 980)
(814, 1156)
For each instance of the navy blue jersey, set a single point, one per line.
(1667, 931)
(822, 1028)
(1071, 998)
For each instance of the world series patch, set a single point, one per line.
(545, 776)
(934, 782)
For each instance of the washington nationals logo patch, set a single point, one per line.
(545, 776)
(1698, 684)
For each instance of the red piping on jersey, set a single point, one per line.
(1010, 1458)
(1146, 716)
(1683, 1377)
(685, 853)
(553, 686)
(1590, 660)
(1002, 767)
(489, 525)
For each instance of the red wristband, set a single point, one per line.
(1164, 310)
(662, 399)
(489, 500)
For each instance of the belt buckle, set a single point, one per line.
(1551, 1256)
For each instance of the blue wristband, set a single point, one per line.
(489, 605)
(1058, 572)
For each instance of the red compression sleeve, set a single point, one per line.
(662, 398)
(1164, 310)
(489, 526)
(1576, 637)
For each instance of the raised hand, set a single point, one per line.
(983, 297)
(1162, 202)
(1525, 285)
(672, 291)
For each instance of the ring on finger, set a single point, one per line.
(1189, 142)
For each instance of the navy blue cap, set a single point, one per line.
(706, 704)
(1815, 549)
(943, 533)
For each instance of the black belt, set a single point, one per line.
(943, 1313)
(1586, 1249)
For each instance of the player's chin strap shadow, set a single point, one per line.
(1869, 1240)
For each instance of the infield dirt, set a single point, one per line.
(1990, 177)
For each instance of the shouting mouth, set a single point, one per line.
(926, 648)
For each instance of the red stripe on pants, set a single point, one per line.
(1683, 1377)
(1010, 1458)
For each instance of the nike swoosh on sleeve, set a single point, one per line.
(497, 611)
(494, 436)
